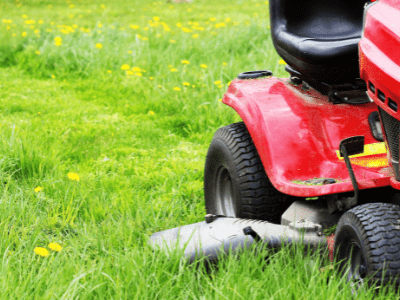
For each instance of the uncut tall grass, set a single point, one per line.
(137, 138)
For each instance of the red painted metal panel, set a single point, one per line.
(297, 134)
(380, 53)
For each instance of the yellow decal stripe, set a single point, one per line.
(370, 149)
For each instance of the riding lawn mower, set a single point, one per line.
(317, 149)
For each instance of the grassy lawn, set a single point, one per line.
(107, 111)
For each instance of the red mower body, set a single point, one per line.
(297, 134)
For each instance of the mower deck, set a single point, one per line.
(297, 133)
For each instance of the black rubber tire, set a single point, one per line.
(374, 228)
(235, 182)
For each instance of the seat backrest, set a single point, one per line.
(319, 19)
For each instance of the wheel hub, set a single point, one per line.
(224, 193)
(358, 269)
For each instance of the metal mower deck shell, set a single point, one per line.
(297, 132)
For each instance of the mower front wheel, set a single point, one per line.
(235, 182)
(367, 245)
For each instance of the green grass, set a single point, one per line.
(138, 146)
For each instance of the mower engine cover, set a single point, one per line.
(379, 51)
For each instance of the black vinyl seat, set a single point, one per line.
(319, 38)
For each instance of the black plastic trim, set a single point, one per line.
(254, 74)
(381, 96)
(392, 104)
(375, 125)
(371, 87)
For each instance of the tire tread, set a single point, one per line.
(260, 199)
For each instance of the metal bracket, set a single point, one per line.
(350, 146)
(349, 93)
(345, 203)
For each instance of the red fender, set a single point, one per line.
(297, 135)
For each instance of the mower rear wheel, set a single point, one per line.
(368, 238)
(235, 182)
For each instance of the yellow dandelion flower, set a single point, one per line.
(145, 38)
(38, 189)
(55, 247)
(186, 84)
(217, 82)
(129, 72)
(99, 46)
(174, 70)
(24, 34)
(136, 69)
(195, 35)
(185, 62)
(125, 67)
(151, 78)
(52, 76)
(134, 26)
(204, 66)
(57, 41)
(177, 89)
(172, 41)
(102, 6)
(37, 52)
(138, 36)
(109, 71)
(130, 52)
(138, 74)
(43, 252)
(228, 20)
(99, 25)
(25, 16)
(179, 24)
(213, 19)
(282, 62)
(151, 112)
(224, 63)
(193, 86)
(71, 6)
(73, 176)
(156, 18)
(159, 86)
